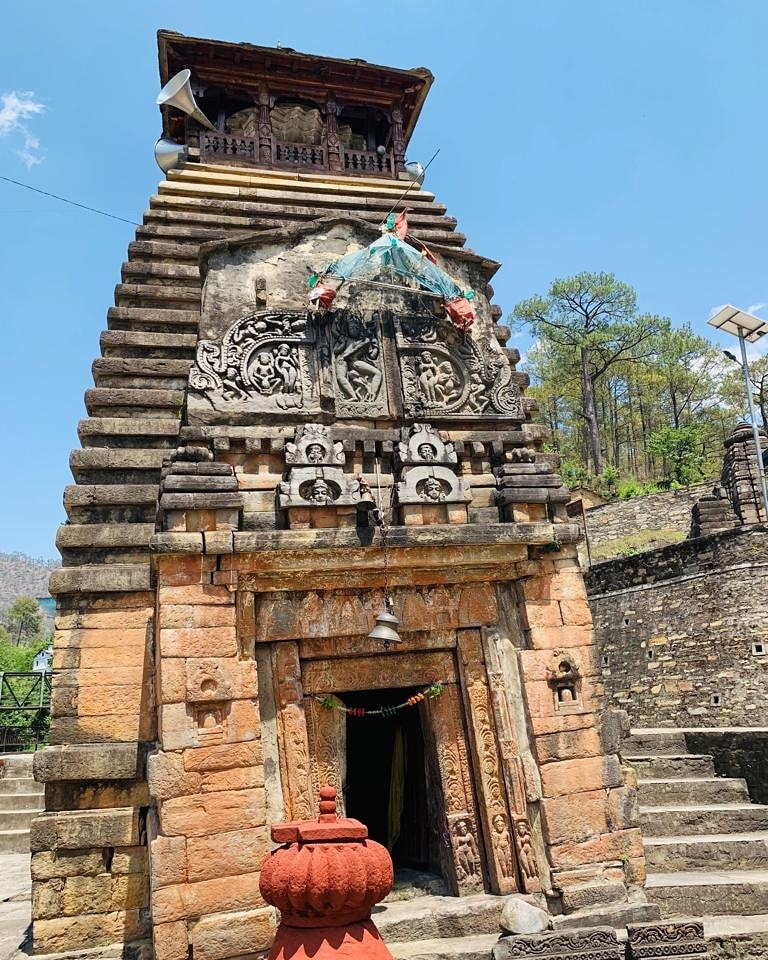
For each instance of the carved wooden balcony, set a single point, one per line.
(218, 147)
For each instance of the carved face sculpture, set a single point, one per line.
(319, 492)
(498, 824)
(433, 489)
(315, 453)
(427, 451)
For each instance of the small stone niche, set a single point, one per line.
(565, 681)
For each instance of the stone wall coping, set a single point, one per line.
(704, 487)
(605, 579)
(703, 730)
(437, 535)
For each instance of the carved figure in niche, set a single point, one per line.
(525, 852)
(313, 444)
(478, 398)
(467, 858)
(287, 366)
(263, 373)
(432, 489)
(318, 492)
(503, 845)
(231, 389)
(421, 443)
(437, 380)
(356, 359)
(427, 452)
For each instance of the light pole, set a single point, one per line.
(746, 326)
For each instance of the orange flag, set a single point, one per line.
(400, 228)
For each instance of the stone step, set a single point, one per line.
(429, 918)
(654, 742)
(679, 767)
(14, 841)
(16, 764)
(16, 785)
(21, 801)
(476, 947)
(691, 790)
(17, 819)
(732, 851)
(707, 818)
(693, 893)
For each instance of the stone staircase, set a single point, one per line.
(436, 927)
(21, 799)
(706, 844)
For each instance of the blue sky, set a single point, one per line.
(620, 135)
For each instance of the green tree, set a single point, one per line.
(24, 621)
(681, 450)
(592, 318)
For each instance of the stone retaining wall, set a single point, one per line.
(683, 631)
(656, 511)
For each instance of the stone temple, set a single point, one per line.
(259, 480)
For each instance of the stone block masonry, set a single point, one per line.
(258, 480)
(682, 631)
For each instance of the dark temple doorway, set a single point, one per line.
(389, 786)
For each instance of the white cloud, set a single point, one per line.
(16, 109)
(755, 307)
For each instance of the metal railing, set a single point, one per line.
(25, 691)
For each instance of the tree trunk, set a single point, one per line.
(590, 416)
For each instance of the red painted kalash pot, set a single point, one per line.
(325, 881)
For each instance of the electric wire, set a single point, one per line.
(73, 203)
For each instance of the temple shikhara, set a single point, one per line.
(313, 541)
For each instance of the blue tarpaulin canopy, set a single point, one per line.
(389, 253)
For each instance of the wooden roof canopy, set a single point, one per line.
(244, 67)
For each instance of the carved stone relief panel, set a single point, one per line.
(448, 731)
(265, 363)
(327, 730)
(519, 790)
(352, 352)
(448, 373)
(493, 808)
(292, 732)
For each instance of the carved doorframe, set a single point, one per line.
(458, 729)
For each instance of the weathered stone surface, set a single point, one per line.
(80, 829)
(223, 935)
(114, 761)
(520, 916)
(649, 614)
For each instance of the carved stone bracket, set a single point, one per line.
(429, 490)
(315, 483)
(318, 487)
(313, 446)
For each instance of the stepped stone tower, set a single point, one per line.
(223, 566)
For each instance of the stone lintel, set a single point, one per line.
(438, 536)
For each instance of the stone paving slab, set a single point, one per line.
(15, 903)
